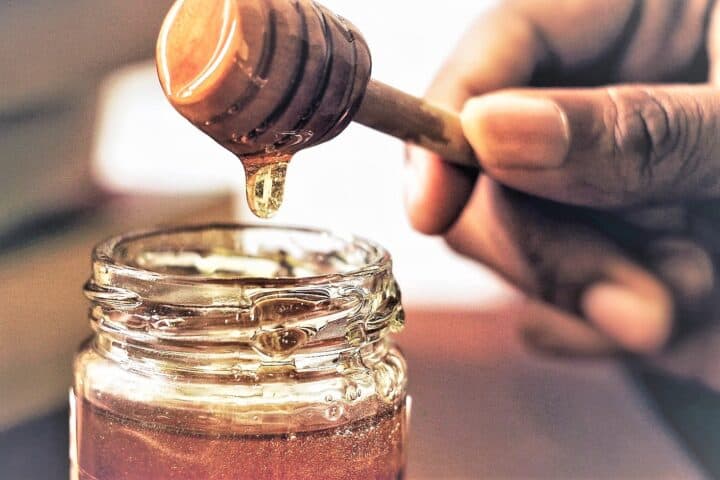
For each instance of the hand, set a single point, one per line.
(602, 201)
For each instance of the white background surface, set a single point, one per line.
(352, 183)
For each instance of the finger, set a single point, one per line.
(667, 242)
(688, 270)
(434, 191)
(550, 254)
(640, 322)
(549, 330)
(685, 267)
(606, 147)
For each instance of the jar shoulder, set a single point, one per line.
(246, 401)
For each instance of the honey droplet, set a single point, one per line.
(266, 184)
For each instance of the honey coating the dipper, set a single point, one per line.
(263, 78)
(201, 40)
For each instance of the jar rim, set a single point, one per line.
(358, 303)
(106, 256)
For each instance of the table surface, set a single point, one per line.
(482, 408)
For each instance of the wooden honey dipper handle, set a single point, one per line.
(272, 77)
(416, 121)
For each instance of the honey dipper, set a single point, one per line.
(267, 78)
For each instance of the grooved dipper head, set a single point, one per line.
(262, 77)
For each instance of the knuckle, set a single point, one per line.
(656, 139)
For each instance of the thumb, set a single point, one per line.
(604, 147)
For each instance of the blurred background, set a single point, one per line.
(89, 148)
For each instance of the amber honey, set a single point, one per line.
(265, 184)
(113, 448)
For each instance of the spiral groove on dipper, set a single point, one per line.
(297, 75)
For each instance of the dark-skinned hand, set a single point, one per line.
(597, 125)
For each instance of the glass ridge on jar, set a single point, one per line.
(229, 351)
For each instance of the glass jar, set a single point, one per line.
(232, 352)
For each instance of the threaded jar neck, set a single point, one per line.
(227, 299)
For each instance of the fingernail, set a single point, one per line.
(517, 131)
(641, 324)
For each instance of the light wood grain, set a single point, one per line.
(416, 121)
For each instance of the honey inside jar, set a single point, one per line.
(240, 352)
(368, 448)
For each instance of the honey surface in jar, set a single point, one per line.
(113, 448)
